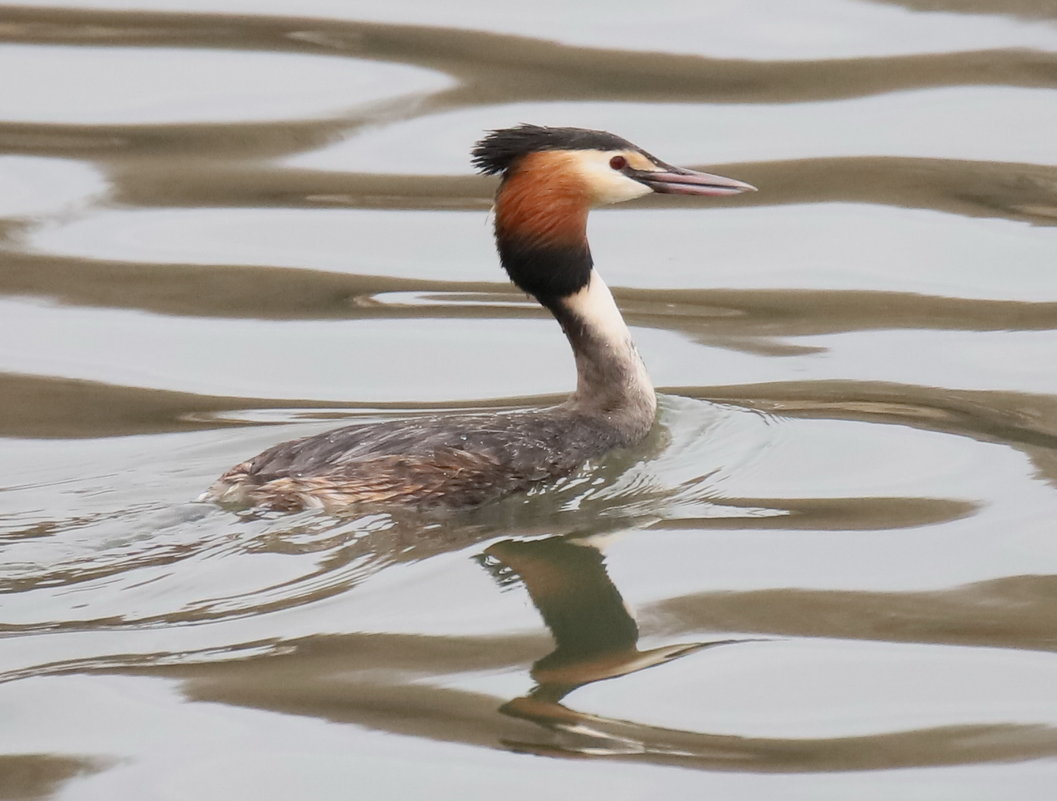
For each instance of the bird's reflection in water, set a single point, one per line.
(362, 679)
(595, 638)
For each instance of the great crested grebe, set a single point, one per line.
(551, 178)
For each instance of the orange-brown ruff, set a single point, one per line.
(551, 177)
(545, 200)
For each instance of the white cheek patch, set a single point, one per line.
(605, 184)
(619, 188)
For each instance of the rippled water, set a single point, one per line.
(831, 572)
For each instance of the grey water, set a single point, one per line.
(830, 573)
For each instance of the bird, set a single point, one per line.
(550, 177)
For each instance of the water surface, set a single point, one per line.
(830, 572)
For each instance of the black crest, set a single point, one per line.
(497, 151)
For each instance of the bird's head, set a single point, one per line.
(551, 178)
(599, 166)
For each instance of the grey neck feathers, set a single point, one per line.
(612, 382)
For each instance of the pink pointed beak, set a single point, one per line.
(678, 181)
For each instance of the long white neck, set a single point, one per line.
(612, 381)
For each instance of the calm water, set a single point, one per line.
(830, 574)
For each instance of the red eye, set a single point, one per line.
(618, 162)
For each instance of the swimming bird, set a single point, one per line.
(550, 179)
